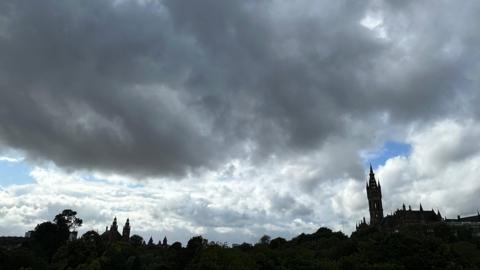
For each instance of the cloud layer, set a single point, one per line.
(241, 202)
(167, 87)
(261, 109)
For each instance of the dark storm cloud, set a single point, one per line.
(287, 205)
(164, 87)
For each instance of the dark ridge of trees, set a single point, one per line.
(414, 247)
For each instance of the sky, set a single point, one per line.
(234, 119)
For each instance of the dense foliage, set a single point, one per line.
(414, 247)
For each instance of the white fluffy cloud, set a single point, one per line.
(239, 204)
(441, 172)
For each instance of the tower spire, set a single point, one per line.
(114, 226)
(374, 194)
(371, 179)
(165, 243)
(126, 230)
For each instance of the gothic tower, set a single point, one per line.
(114, 227)
(126, 230)
(374, 194)
(165, 243)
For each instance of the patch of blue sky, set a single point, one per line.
(389, 149)
(14, 172)
(91, 177)
(136, 185)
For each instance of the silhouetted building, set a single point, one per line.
(126, 230)
(403, 217)
(112, 234)
(400, 217)
(362, 225)
(165, 243)
(474, 218)
(470, 222)
(150, 242)
(374, 195)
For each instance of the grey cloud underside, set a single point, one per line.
(167, 87)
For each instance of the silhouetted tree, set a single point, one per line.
(194, 246)
(277, 242)
(136, 240)
(94, 241)
(245, 246)
(68, 219)
(197, 243)
(410, 247)
(176, 246)
(265, 239)
(21, 258)
(91, 236)
(48, 237)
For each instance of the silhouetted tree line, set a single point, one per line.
(414, 247)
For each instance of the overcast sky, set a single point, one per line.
(232, 119)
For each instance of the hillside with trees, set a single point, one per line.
(414, 247)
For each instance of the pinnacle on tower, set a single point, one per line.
(114, 227)
(371, 180)
(126, 230)
(374, 194)
(165, 243)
